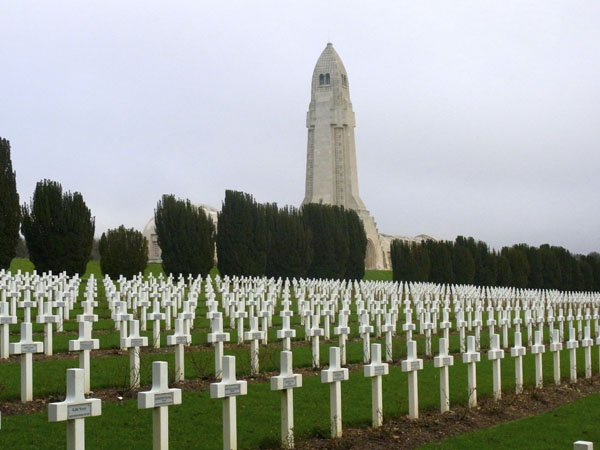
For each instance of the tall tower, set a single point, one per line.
(331, 175)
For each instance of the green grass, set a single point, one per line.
(556, 429)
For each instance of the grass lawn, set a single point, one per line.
(556, 429)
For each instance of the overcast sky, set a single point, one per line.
(478, 118)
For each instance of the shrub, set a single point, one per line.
(123, 252)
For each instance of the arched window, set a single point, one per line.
(327, 79)
(321, 79)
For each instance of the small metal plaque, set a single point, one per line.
(28, 348)
(89, 318)
(79, 411)
(5, 320)
(379, 370)
(257, 335)
(289, 382)
(415, 365)
(288, 333)
(338, 375)
(220, 337)
(233, 389)
(86, 345)
(163, 399)
(181, 340)
(137, 342)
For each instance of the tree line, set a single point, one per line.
(468, 261)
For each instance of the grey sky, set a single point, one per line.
(473, 117)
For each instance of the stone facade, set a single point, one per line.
(331, 173)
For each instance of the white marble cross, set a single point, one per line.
(443, 361)
(342, 330)
(286, 332)
(285, 382)
(228, 389)
(375, 370)
(217, 337)
(572, 345)
(83, 344)
(587, 343)
(133, 342)
(46, 317)
(240, 315)
(253, 335)
(537, 349)
(556, 347)
(26, 347)
(389, 328)
(159, 398)
(496, 354)
(365, 330)
(334, 375)
(471, 357)
(315, 332)
(179, 339)
(517, 352)
(412, 364)
(74, 409)
(6, 319)
(156, 316)
(121, 317)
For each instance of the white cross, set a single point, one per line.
(342, 330)
(133, 342)
(365, 331)
(179, 339)
(389, 327)
(517, 352)
(556, 347)
(83, 344)
(375, 370)
(74, 409)
(47, 318)
(572, 345)
(6, 319)
(471, 357)
(442, 361)
(315, 332)
(286, 332)
(253, 335)
(217, 337)
(333, 376)
(411, 365)
(228, 389)
(537, 349)
(496, 354)
(156, 316)
(159, 398)
(285, 382)
(26, 347)
(587, 343)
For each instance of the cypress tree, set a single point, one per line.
(58, 229)
(440, 262)
(289, 243)
(186, 236)
(503, 270)
(403, 263)
(422, 261)
(357, 246)
(519, 265)
(123, 252)
(10, 212)
(242, 236)
(463, 264)
(534, 258)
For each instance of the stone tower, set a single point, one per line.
(331, 175)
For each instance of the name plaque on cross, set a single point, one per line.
(163, 399)
(288, 333)
(86, 345)
(338, 375)
(220, 338)
(289, 382)
(233, 389)
(379, 370)
(256, 335)
(415, 365)
(137, 342)
(89, 318)
(181, 339)
(79, 411)
(6, 321)
(29, 348)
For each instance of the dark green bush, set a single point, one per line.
(123, 252)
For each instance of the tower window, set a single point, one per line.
(327, 80)
(321, 79)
